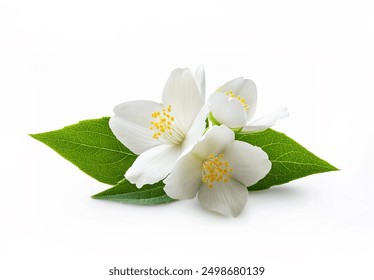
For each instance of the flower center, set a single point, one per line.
(215, 169)
(241, 99)
(163, 126)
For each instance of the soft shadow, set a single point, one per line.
(293, 191)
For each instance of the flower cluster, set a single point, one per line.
(175, 145)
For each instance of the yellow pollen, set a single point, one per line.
(241, 99)
(162, 122)
(215, 169)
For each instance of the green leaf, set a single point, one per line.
(126, 192)
(289, 159)
(92, 147)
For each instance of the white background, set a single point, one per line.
(65, 61)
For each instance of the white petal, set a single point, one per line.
(131, 123)
(197, 129)
(153, 165)
(185, 179)
(228, 198)
(227, 111)
(182, 94)
(249, 163)
(233, 85)
(266, 121)
(246, 89)
(200, 80)
(215, 140)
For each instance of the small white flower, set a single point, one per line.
(234, 105)
(218, 168)
(159, 133)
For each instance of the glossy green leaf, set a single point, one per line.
(92, 147)
(126, 192)
(290, 160)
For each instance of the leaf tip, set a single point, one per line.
(34, 135)
(332, 167)
(97, 195)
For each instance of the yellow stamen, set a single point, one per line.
(163, 126)
(241, 99)
(162, 122)
(215, 169)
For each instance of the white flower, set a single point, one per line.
(159, 133)
(234, 104)
(218, 168)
